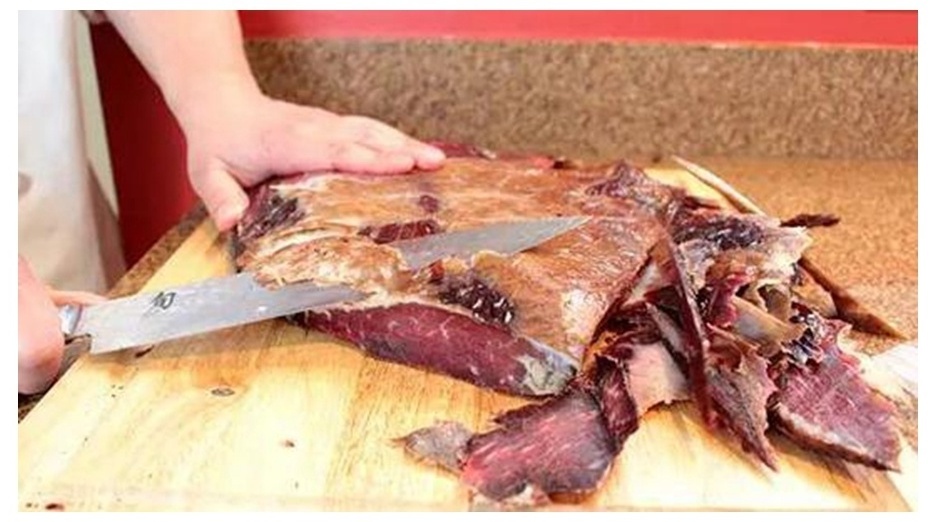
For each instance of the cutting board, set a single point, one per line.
(268, 417)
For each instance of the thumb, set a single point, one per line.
(223, 196)
(64, 297)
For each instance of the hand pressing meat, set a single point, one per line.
(236, 135)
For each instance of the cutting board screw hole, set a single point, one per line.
(222, 391)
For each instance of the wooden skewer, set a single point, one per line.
(846, 305)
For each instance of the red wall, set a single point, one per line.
(147, 150)
(888, 28)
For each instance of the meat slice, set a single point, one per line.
(559, 447)
(443, 444)
(758, 326)
(721, 243)
(721, 340)
(690, 340)
(563, 448)
(824, 405)
(740, 389)
(654, 377)
(812, 220)
(432, 338)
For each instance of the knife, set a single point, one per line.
(224, 302)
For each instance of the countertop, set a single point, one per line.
(872, 251)
(592, 100)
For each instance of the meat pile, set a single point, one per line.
(659, 297)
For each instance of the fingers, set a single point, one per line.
(346, 143)
(41, 344)
(223, 195)
(63, 297)
(308, 149)
(428, 157)
(354, 157)
(382, 137)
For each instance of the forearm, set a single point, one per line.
(191, 55)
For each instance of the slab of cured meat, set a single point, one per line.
(659, 298)
(516, 324)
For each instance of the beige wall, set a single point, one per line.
(96, 138)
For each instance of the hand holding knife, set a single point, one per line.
(224, 302)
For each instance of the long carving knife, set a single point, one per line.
(225, 302)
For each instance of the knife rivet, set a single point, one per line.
(222, 391)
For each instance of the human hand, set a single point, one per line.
(41, 344)
(239, 137)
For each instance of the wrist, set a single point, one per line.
(209, 94)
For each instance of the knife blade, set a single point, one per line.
(225, 302)
(503, 238)
(182, 311)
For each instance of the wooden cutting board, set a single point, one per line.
(267, 417)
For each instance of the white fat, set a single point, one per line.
(380, 298)
(348, 221)
(655, 378)
(649, 278)
(316, 182)
(576, 304)
(296, 238)
(543, 347)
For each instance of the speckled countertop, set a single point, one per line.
(594, 99)
(872, 252)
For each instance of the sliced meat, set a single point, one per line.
(740, 390)
(608, 383)
(561, 446)
(654, 377)
(443, 444)
(735, 384)
(689, 340)
(812, 220)
(718, 300)
(826, 406)
(658, 297)
(762, 329)
(433, 338)
(737, 244)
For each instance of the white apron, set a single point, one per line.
(67, 232)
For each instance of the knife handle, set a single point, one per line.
(75, 345)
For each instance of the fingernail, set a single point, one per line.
(229, 214)
(434, 155)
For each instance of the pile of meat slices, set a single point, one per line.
(659, 297)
